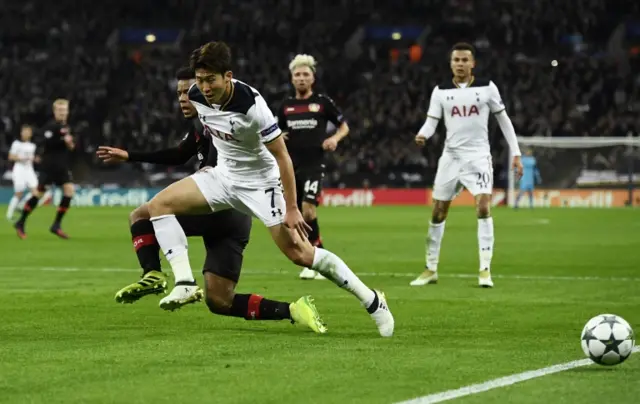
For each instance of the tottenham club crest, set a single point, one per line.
(314, 107)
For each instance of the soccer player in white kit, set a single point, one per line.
(252, 159)
(22, 153)
(464, 103)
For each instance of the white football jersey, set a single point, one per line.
(239, 130)
(24, 150)
(465, 111)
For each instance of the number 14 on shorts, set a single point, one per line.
(311, 186)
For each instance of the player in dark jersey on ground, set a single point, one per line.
(225, 235)
(303, 120)
(56, 144)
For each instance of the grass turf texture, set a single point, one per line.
(63, 339)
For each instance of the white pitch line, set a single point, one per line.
(500, 382)
(376, 274)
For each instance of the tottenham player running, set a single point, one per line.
(303, 120)
(464, 103)
(225, 235)
(252, 157)
(55, 165)
(530, 177)
(23, 154)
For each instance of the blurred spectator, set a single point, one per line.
(123, 95)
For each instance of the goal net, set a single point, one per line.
(581, 172)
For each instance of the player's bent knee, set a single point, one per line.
(218, 304)
(139, 213)
(159, 205)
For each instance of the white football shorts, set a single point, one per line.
(454, 172)
(266, 202)
(23, 179)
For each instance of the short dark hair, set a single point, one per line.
(213, 56)
(463, 46)
(185, 73)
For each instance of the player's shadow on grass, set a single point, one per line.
(303, 332)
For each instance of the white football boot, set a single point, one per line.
(382, 315)
(308, 273)
(181, 295)
(484, 278)
(425, 278)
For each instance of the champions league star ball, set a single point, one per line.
(607, 339)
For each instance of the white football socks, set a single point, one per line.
(333, 268)
(174, 245)
(12, 207)
(434, 241)
(485, 242)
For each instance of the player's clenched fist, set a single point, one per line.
(112, 154)
(420, 140)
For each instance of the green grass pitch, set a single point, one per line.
(63, 339)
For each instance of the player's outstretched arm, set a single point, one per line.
(172, 156)
(293, 219)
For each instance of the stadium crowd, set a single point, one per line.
(553, 63)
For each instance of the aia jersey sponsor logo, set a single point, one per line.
(465, 111)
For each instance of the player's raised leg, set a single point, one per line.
(182, 197)
(153, 280)
(302, 253)
(277, 208)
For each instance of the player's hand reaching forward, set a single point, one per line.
(517, 166)
(293, 220)
(420, 140)
(112, 154)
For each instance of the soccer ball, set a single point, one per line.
(607, 339)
